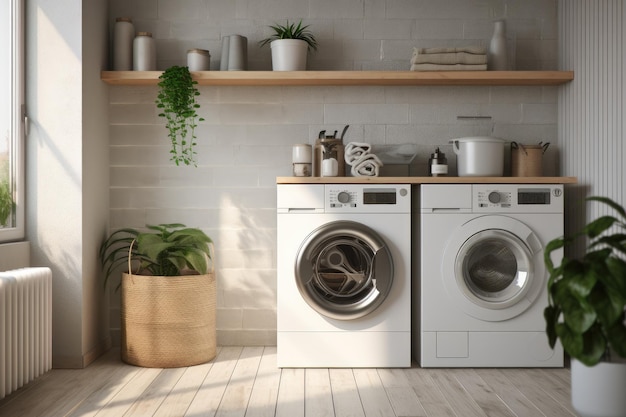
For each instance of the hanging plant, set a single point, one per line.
(177, 99)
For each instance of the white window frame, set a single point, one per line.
(18, 121)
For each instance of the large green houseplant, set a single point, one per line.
(289, 44)
(586, 312)
(177, 101)
(167, 296)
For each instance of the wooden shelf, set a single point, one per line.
(426, 180)
(363, 78)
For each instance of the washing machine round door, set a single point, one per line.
(344, 270)
(494, 267)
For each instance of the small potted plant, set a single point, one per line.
(168, 295)
(586, 305)
(177, 101)
(289, 45)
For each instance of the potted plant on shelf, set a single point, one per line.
(289, 45)
(587, 300)
(168, 295)
(177, 101)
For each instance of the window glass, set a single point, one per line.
(11, 120)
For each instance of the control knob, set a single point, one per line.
(494, 197)
(343, 197)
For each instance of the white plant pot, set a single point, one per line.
(598, 391)
(289, 54)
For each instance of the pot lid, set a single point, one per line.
(478, 139)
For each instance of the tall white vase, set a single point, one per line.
(598, 391)
(497, 55)
(289, 54)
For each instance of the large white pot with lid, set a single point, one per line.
(479, 156)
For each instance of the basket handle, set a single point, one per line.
(130, 252)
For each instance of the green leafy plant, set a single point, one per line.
(291, 31)
(587, 297)
(169, 250)
(177, 101)
(7, 205)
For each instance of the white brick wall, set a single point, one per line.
(245, 142)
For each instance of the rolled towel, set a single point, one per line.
(367, 166)
(355, 150)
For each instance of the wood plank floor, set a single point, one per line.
(244, 381)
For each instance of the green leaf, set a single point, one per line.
(551, 315)
(607, 306)
(578, 314)
(594, 346)
(599, 225)
(616, 280)
(616, 336)
(610, 203)
(572, 341)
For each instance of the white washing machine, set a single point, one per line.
(483, 282)
(344, 275)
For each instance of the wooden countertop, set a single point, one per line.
(426, 180)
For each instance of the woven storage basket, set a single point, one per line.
(168, 322)
(527, 160)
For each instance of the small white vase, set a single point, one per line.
(598, 391)
(497, 55)
(289, 54)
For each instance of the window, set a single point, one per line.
(11, 120)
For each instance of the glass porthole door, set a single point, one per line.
(493, 267)
(344, 270)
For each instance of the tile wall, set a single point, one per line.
(245, 141)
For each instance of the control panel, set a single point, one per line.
(522, 198)
(383, 198)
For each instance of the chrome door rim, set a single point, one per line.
(368, 295)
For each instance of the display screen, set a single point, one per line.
(379, 197)
(533, 196)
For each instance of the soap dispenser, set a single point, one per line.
(437, 164)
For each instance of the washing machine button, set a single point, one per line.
(494, 197)
(343, 197)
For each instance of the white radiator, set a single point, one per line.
(25, 326)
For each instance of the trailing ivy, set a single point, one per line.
(177, 100)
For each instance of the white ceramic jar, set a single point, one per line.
(198, 60)
(144, 52)
(123, 35)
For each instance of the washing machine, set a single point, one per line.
(482, 277)
(343, 275)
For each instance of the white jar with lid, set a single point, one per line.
(123, 34)
(198, 60)
(144, 52)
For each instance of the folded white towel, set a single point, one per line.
(448, 58)
(481, 50)
(355, 150)
(445, 67)
(367, 166)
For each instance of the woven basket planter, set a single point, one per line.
(168, 322)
